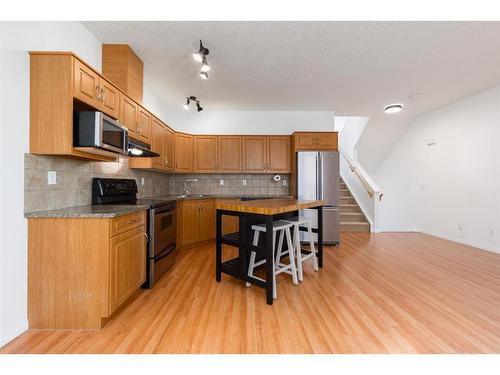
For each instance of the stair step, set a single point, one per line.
(354, 226)
(349, 208)
(352, 217)
(347, 200)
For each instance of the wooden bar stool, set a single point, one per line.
(283, 229)
(298, 248)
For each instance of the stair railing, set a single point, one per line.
(371, 188)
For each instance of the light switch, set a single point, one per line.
(244, 182)
(51, 178)
(284, 182)
(221, 182)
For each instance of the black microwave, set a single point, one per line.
(95, 129)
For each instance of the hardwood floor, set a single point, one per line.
(383, 293)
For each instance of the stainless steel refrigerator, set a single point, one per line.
(318, 177)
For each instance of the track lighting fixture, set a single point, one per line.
(204, 75)
(190, 99)
(201, 53)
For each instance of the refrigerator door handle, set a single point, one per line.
(319, 174)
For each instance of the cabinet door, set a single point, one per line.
(86, 84)
(254, 154)
(157, 143)
(110, 99)
(144, 120)
(169, 149)
(278, 154)
(127, 265)
(327, 141)
(206, 220)
(305, 141)
(190, 222)
(128, 115)
(183, 152)
(205, 153)
(229, 154)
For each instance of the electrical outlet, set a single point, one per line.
(51, 178)
(221, 182)
(244, 182)
(142, 180)
(284, 182)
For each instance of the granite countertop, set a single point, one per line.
(90, 211)
(110, 211)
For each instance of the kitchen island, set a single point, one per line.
(258, 212)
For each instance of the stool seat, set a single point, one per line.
(277, 225)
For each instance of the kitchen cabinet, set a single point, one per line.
(91, 89)
(205, 153)
(217, 154)
(81, 270)
(254, 154)
(158, 135)
(266, 154)
(169, 149)
(198, 221)
(127, 261)
(278, 154)
(183, 152)
(321, 141)
(229, 154)
(136, 118)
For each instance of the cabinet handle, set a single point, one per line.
(146, 237)
(98, 92)
(103, 95)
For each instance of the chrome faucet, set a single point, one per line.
(186, 192)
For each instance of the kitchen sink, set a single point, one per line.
(194, 196)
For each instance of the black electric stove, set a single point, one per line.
(161, 223)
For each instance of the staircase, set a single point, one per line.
(352, 218)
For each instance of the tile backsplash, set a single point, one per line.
(256, 184)
(74, 177)
(74, 180)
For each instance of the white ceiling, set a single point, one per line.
(353, 68)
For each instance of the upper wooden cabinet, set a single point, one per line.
(136, 118)
(221, 154)
(322, 141)
(158, 131)
(205, 153)
(278, 154)
(229, 154)
(183, 152)
(254, 154)
(169, 151)
(266, 154)
(110, 98)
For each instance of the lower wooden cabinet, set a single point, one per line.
(197, 221)
(127, 260)
(82, 270)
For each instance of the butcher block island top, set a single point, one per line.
(267, 206)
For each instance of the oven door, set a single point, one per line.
(112, 135)
(165, 231)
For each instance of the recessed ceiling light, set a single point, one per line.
(393, 108)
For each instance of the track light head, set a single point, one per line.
(186, 105)
(198, 107)
(204, 75)
(205, 67)
(202, 52)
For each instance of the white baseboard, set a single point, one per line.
(481, 246)
(13, 332)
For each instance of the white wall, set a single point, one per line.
(350, 134)
(16, 38)
(249, 122)
(456, 182)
